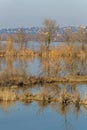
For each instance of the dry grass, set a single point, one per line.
(59, 103)
(9, 79)
(7, 95)
(62, 50)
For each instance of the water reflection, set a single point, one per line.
(43, 66)
(51, 114)
(5, 106)
(55, 90)
(42, 115)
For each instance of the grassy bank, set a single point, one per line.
(23, 80)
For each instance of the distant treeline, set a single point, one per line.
(47, 34)
(79, 36)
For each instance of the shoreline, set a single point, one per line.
(32, 80)
(63, 97)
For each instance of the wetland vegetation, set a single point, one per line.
(50, 75)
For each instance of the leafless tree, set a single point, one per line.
(48, 31)
(21, 38)
(9, 44)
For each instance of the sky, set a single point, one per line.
(28, 13)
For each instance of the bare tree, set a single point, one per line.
(0, 43)
(81, 34)
(9, 44)
(48, 31)
(67, 36)
(47, 34)
(21, 38)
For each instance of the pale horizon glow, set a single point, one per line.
(28, 13)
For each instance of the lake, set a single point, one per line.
(33, 116)
(39, 115)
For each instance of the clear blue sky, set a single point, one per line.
(27, 13)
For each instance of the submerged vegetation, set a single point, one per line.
(54, 95)
(64, 63)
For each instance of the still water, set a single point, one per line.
(44, 66)
(34, 117)
(40, 115)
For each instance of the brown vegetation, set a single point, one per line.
(64, 63)
(21, 79)
(62, 97)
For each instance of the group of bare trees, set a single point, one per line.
(79, 36)
(20, 38)
(46, 34)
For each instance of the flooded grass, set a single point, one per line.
(22, 80)
(57, 70)
(63, 97)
